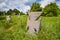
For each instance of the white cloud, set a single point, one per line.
(13, 4)
(58, 3)
(2, 4)
(24, 7)
(45, 2)
(20, 4)
(25, 0)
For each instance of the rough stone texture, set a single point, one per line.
(7, 18)
(33, 25)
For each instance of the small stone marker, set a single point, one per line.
(33, 25)
(7, 18)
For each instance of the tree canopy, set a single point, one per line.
(14, 12)
(9, 12)
(51, 10)
(35, 7)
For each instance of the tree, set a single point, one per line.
(13, 12)
(21, 13)
(36, 7)
(27, 13)
(9, 12)
(2, 12)
(16, 11)
(59, 12)
(51, 10)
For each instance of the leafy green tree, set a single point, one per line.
(27, 13)
(2, 12)
(13, 12)
(21, 13)
(59, 12)
(51, 10)
(16, 11)
(35, 7)
(9, 12)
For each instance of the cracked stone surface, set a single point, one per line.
(33, 25)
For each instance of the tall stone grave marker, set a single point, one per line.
(33, 25)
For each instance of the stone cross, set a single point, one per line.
(33, 24)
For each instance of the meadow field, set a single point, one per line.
(15, 29)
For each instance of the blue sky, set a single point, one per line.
(23, 5)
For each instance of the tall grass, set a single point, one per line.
(50, 29)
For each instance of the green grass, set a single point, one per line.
(49, 28)
(15, 29)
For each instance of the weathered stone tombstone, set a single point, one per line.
(33, 24)
(19, 15)
(8, 18)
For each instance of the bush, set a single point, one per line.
(51, 10)
(2, 17)
(50, 14)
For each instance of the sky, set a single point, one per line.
(23, 5)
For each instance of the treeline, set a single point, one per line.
(50, 10)
(12, 12)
